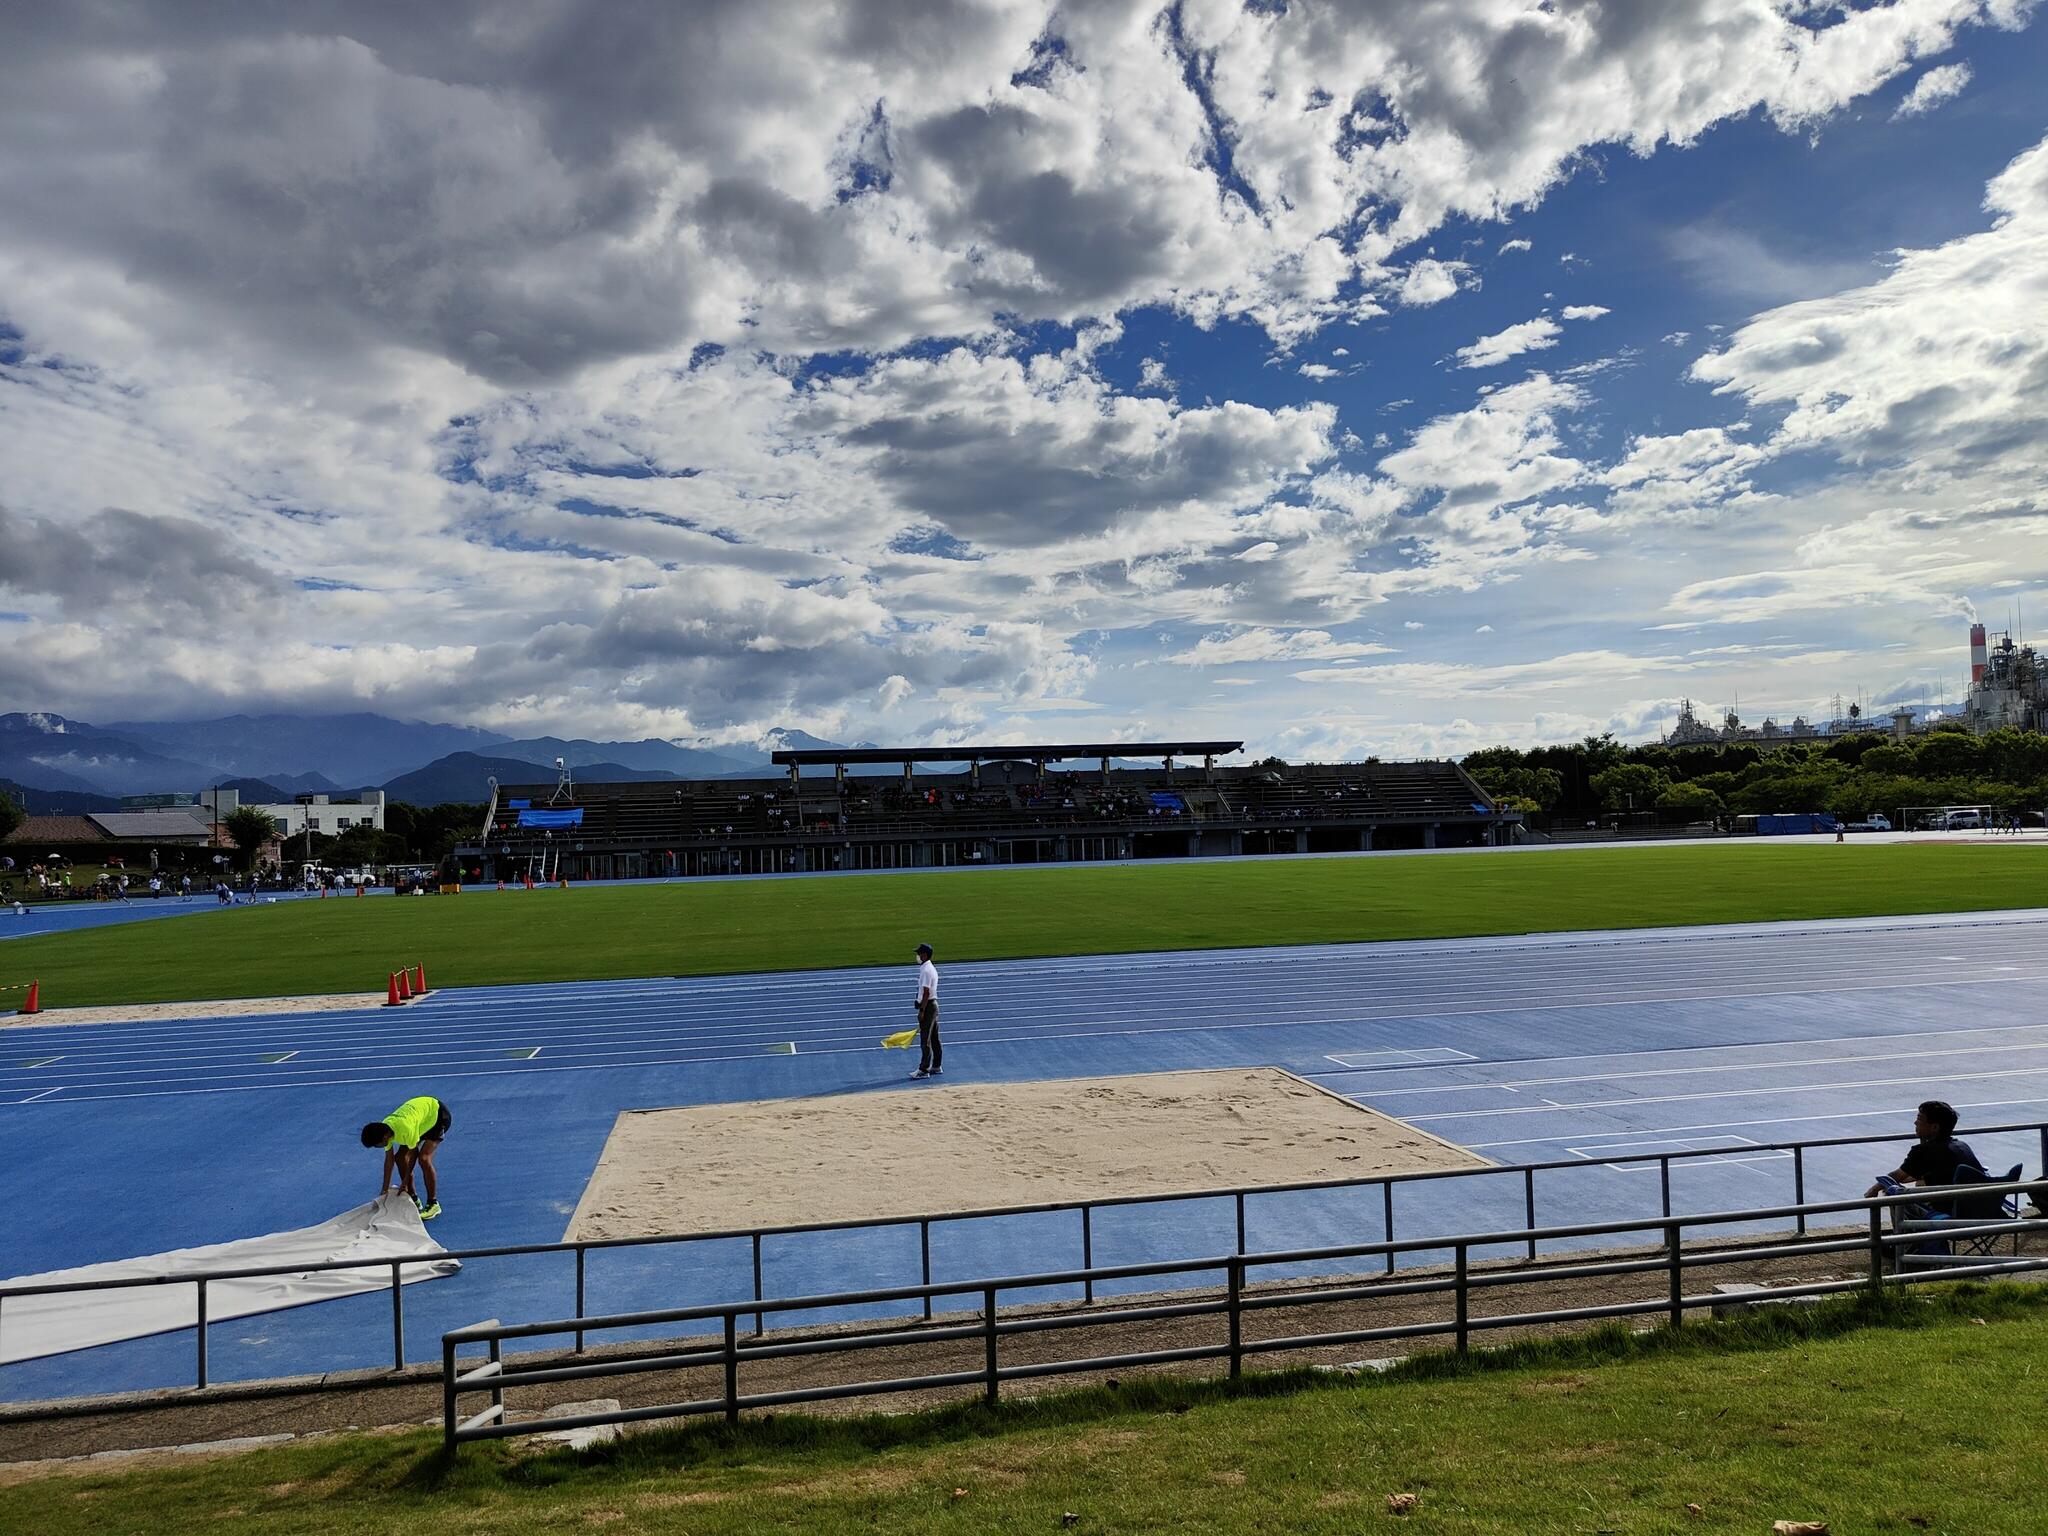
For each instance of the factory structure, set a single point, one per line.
(2008, 691)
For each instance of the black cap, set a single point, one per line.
(925, 950)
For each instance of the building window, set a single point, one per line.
(343, 822)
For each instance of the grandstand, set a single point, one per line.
(971, 806)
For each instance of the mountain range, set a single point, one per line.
(49, 756)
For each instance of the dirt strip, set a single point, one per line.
(228, 1008)
(370, 1399)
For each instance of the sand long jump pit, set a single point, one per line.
(940, 1147)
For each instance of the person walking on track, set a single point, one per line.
(929, 1051)
(410, 1136)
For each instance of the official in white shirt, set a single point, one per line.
(929, 1052)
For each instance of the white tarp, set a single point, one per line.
(33, 1326)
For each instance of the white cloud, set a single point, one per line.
(1584, 311)
(1318, 371)
(1939, 85)
(1514, 245)
(1247, 645)
(1527, 336)
(1430, 282)
(429, 308)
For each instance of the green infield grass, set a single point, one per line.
(599, 931)
(1891, 1418)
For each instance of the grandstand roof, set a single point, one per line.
(1029, 754)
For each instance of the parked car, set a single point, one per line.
(1875, 822)
(1963, 821)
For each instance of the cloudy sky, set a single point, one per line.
(1353, 378)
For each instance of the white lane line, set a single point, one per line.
(41, 1061)
(1181, 1020)
(1055, 1033)
(280, 1058)
(1421, 1056)
(43, 1095)
(2003, 1048)
(389, 1069)
(523, 1053)
(475, 1013)
(1738, 1093)
(1889, 1112)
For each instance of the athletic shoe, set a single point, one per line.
(430, 1212)
(937, 1073)
(920, 1072)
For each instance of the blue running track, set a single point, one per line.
(127, 1139)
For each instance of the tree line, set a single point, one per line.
(1850, 776)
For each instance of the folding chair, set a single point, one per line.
(1964, 1210)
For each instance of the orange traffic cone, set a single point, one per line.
(419, 980)
(35, 998)
(529, 882)
(323, 893)
(405, 986)
(359, 890)
(391, 997)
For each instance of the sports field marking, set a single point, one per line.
(2004, 1048)
(1421, 1056)
(853, 1026)
(1889, 1112)
(861, 1041)
(43, 1095)
(523, 1053)
(1677, 1144)
(42, 1061)
(1736, 1093)
(278, 1057)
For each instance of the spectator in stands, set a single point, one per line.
(1934, 1159)
(930, 1053)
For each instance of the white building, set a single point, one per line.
(327, 814)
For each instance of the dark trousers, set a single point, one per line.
(929, 1050)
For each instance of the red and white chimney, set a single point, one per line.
(1976, 653)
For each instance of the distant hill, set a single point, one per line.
(49, 752)
(328, 754)
(339, 749)
(58, 802)
(652, 755)
(461, 777)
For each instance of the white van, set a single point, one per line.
(1963, 821)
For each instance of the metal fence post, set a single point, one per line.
(1529, 1206)
(1236, 1318)
(1088, 1251)
(498, 1377)
(1799, 1184)
(202, 1331)
(759, 1326)
(988, 1342)
(447, 1394)
(924, 1257)
(397, 1321)
(1876, 1247)
(1464, 1298)
(1240, 1221)
(580, 1308)
(1664, 1176)
(732, 1368)
(1387, 1206)
(1676, 1271)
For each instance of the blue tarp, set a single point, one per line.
(518, 805)
(552, 818)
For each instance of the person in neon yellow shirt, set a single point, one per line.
(410, 1136)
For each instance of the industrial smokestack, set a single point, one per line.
(1976, 653)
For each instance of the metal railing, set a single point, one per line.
(1672, 1261)
(1087, 1276)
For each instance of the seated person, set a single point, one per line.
(1934, 1159)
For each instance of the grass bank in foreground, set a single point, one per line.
(594, 932)
(1883, 1419)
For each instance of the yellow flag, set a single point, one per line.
(898, 1040)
